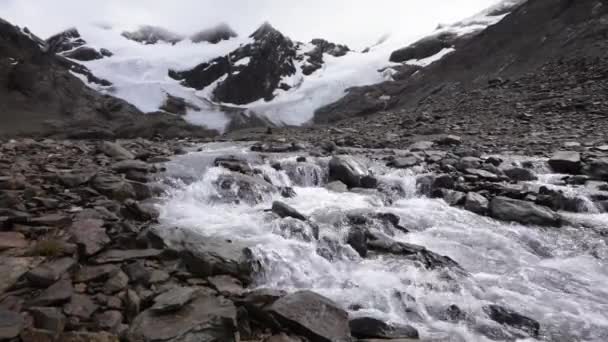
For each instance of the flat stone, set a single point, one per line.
(108, 320)
(404, 163)
(115, 150)
(50, 272)
(38, 335)
(483, 174)
(508, 209)
(119, 255)
(58, 293)
(226, 285)
(52, 220)
(158, 276)
(476, 203)
(95, 273)
(315, 316)
(173, 299)
(205, 318)
(14, 268)
(89, 235)
(11, 324)
(10, 240)
(131, 165)
(421, 146)
(521, 174)
(72, 180)
(80, 306)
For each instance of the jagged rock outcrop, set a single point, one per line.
(214, 35)
(315, 56)
(256, 70)
(70, 44)
(149, 34)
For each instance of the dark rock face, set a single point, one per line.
(177, 105)
(509, 209)
(315, 57)
(313, 316)
(284, 210)
(214, 35)
(271, 58)
(65, 41)
(84, 53)
(153, 34)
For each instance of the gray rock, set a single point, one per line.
(119, 255)
(598, 169)
(116, 283)
(112, 186)
(468, 163)
(483, 174)
(345, 170)
(452, 197)
(12, 269)
(476, 203)
(421, 146)
(227, 285)
(115, 150)
(367, 327)
(11, 324)
(109, 320)
(58, 293)
(449, 140)
(72, 180)
(48, 319)
(205, 318)
(139, 211)
(283, 210)
(511, 318)
(520, 174)
(50, 272)
(89, 235)
(313, 315)
(131, 165)
(80, 306)
(81, 336)
(404, 163)
(132, 305)
(236, 187)
(95, 273)
(508, 209)
(566, 162)
(173, 299)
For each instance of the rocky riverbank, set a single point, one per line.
(83, 261)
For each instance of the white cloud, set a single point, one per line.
(355, 22)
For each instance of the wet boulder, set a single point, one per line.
(312, 315)
(345, 170)
(236, 187)
(233, 163)
(566, 162)
(508, 209)
(598, 169)
(284, 210)
(513, 319)
(476, 203)
(367, 327)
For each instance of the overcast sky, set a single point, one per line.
(355, 22)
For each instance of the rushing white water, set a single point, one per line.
(557, 276)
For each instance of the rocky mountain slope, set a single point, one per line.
(42, 93)
(562, 39)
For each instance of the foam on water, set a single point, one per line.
(556, 276)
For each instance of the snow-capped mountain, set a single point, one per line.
(213, 76)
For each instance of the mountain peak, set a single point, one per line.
(264, 30)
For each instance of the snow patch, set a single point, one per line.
(429, 60)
